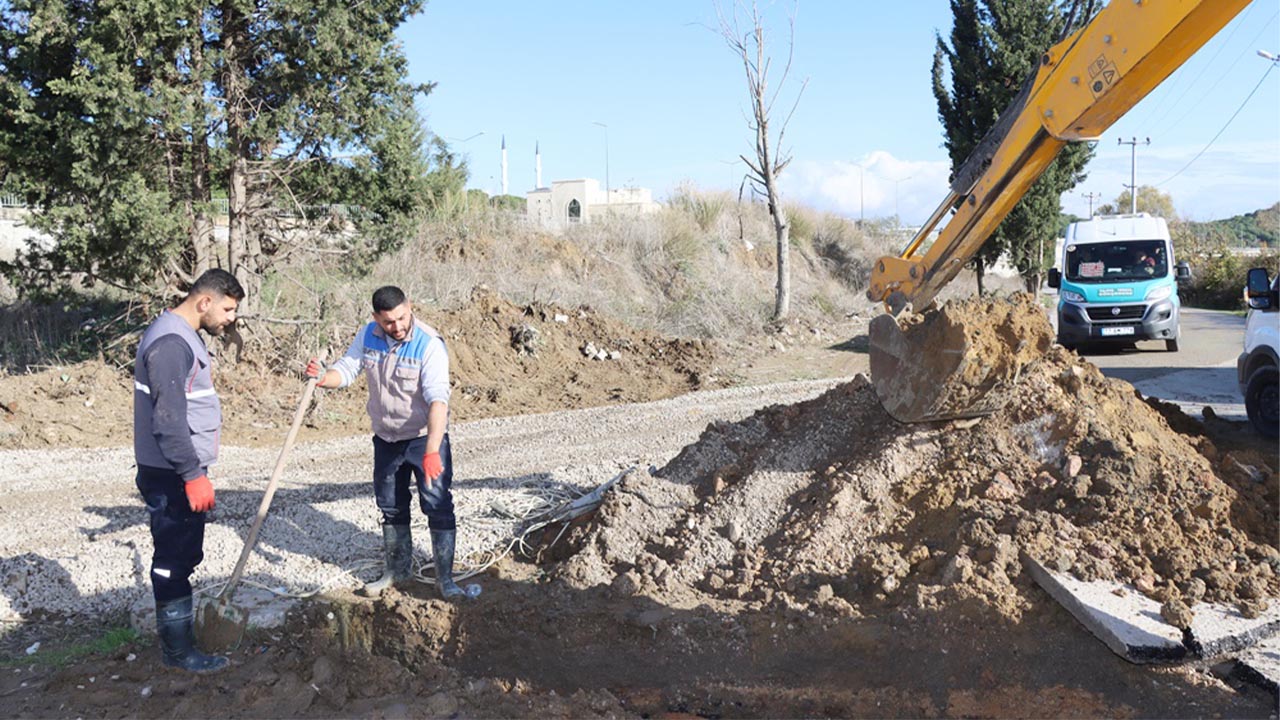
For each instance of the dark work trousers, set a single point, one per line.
(177, 533)
(394, 465)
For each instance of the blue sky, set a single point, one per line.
(673, 98)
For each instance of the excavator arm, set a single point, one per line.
(1082, 86)
(932, 371)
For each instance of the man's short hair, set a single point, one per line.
(387, 297)
(218, 283)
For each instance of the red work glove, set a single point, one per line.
(432, 466)
(199, 494)
(315, 369)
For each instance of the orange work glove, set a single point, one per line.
(199, 494)
(432, 466)
(315, 369)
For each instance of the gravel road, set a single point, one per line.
(74, 537)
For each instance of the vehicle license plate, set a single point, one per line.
(1109, 331)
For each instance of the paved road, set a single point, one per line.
(1202, 372)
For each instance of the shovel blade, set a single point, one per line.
(220, 625)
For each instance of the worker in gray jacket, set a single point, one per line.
(406, 365)
(176, 422)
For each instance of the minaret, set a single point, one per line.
(537, 165)
(504, 164)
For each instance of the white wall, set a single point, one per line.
(14, 234)
(550, 206)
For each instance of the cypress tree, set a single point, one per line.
(994, 45)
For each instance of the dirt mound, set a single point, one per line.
(832, 506)
(818, 559)
(506, 359)
(514, 359)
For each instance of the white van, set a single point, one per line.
(1117, 282)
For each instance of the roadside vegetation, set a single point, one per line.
(1220, 252)
(703, 267)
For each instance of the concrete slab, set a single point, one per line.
(1219, 629)
(1129, 624)
(1261, 664)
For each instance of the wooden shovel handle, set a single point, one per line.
(265, 505)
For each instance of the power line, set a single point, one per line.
(1159, 111)
(1270, 67)
(1248, 51)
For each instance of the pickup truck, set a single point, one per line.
(1258, 367)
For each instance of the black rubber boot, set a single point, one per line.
(442, 542)
(178, 638)
(397, 546)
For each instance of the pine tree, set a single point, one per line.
(124, 118)
(994, 46)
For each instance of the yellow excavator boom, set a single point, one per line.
(1083, 85)
(940, 367)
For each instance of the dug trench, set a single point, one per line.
(816, 559)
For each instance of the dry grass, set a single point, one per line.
(701, 267)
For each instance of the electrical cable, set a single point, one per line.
(1159, 111)
(539, 504)
(1270, 67)
(1160, 129)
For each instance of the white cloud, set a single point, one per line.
(875, 186)
(1228, 179)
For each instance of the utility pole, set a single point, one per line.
(1133, 171)
(1091, 197)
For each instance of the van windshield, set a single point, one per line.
(1122, 261)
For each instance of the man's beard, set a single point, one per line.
(405, 333)
(214, 330)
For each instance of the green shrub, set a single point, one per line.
(1218, 277)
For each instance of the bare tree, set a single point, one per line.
(769, 160)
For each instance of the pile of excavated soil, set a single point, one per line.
(505, 359)
(832, 505)
(955, 364)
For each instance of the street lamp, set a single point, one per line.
(896, 217)
(862, 197)
(607, 192)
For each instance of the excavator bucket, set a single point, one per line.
(956, 361)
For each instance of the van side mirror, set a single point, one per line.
(1182, 271)
(1055, 278)
(1258, 290)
